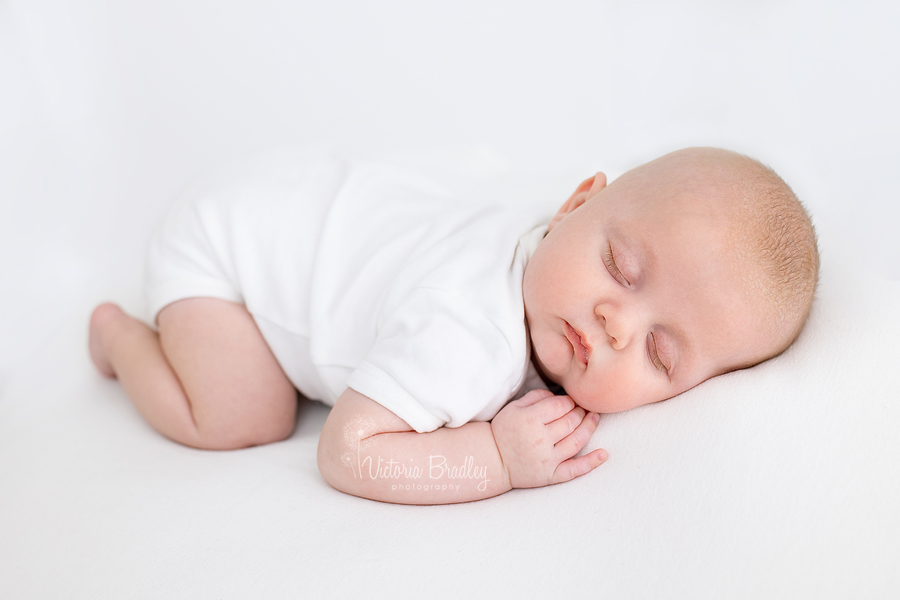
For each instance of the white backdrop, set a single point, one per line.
(108, 109)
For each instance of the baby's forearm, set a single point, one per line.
(441, 467)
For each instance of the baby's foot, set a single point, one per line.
(101, 319)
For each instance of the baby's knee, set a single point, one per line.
(243, 435)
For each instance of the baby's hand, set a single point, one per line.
(537, 436)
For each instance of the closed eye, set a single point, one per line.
(612, 267)
(653, 351)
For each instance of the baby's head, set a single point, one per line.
(695, 264)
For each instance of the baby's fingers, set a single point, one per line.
(578, 466)
(553, 407)
(578, 439)
(565, 425)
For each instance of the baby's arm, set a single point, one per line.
(366, 450)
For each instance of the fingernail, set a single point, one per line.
(595, 418)
(603, 455)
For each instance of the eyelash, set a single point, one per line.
(654, 355)
(610, 261)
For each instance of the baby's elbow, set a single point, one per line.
(353, 419)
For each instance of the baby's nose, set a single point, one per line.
(615, 330)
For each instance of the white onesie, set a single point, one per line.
(362, 275)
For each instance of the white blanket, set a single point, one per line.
(781, 480)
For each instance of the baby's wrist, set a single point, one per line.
(505, 479)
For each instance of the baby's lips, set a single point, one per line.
(582, 350)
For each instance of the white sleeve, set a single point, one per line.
(437, 361)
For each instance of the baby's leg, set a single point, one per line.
(207, 380)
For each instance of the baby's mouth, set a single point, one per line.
(582, 350)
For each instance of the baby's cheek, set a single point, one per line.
(555, 355)
(613, 391)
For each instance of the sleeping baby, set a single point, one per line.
(466, 349)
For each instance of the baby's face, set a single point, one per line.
(632, 297)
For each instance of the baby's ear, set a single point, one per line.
(598, 183)
(588, 188)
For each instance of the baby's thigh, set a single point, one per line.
(238, 393)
